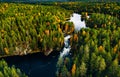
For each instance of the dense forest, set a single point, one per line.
(29, 1)
(36, 29)
(32, 28)
(95, 49)
(6, 71)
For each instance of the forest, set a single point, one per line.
(29, 31)
(95, 49)
(33, 28)
(29, 1)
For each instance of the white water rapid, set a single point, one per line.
(66, 48)
(76, 19)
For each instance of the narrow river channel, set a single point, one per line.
(38, 65)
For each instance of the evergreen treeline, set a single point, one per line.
(111, 8)
(6, 71)
(29, 1)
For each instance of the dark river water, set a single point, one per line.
(39, 65)
(35, 65)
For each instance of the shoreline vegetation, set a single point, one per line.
(31, 28)
(6, 71)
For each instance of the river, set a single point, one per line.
(38, 65)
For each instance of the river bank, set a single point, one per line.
(37, 64)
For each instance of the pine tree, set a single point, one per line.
(82, 69)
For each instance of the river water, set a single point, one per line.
(76, 19)
(38, 65)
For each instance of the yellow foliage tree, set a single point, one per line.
(47, 32)
(83, 33)
(101, 49)
(115, 49)
(73, 69)
(6, 50)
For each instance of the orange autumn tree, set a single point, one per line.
(73, 69)
(75, 37)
